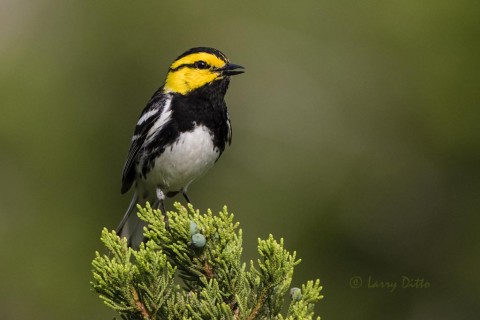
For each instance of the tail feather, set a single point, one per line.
(131, 226)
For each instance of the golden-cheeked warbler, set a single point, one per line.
(180, 134)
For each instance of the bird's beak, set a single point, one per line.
(230, 69)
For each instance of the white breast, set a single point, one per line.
(184, 161)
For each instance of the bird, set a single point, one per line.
(180, 134)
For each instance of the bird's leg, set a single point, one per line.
(184, 193)
(161, 206)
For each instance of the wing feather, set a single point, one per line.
(153, 118)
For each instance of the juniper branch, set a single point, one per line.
(204, 250)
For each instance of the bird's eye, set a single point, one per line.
(201, 65)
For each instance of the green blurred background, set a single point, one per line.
(355, 138)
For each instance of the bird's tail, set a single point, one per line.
(131, 226)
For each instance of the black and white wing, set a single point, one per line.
(155, 115)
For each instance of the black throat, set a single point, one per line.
(204, 106)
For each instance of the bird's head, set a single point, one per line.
(198, 67)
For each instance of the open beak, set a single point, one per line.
(231, 69)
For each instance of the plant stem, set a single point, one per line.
(140, 306)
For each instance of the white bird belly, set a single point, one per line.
(184, 161)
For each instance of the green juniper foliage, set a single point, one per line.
(194, 271)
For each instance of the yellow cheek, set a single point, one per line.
(186, 80)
